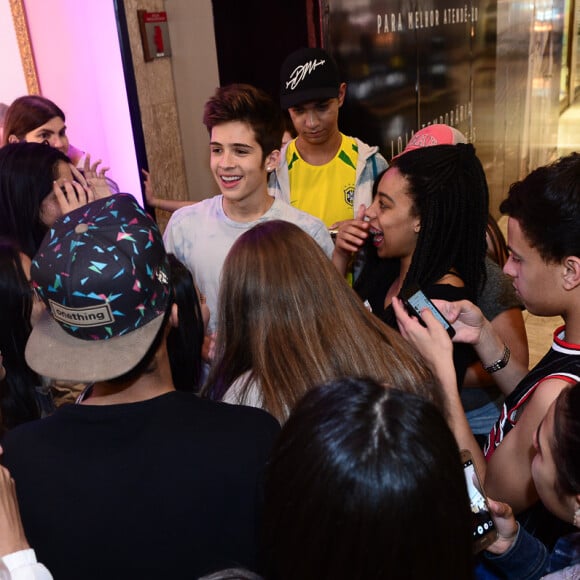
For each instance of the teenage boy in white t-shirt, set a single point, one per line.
(245, 128)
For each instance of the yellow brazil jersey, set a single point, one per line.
(325, 191)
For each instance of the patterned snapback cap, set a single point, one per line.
(102, 272)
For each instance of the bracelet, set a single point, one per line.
(500, 363)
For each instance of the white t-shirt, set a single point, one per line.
(201, 236)
(253, 396)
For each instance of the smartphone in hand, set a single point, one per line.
(415, 301)
(484, 531)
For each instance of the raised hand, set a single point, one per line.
(350, 236)
(432, 340)
(466, 318)
(71, 195)
(149, 195)
(208, 347)
(95, 177)
(12, 538)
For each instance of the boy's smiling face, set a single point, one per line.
(236, 161)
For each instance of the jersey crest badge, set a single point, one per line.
(349, 195)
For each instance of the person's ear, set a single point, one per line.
(272, 160)
(174, 316)
(13, 139)
(571, 272)
(341, 94)
(417, 226)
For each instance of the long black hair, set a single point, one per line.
(185, 341)
(450, 195)
(27, 172)
(365, 481)
(17, 399)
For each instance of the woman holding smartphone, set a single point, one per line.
(425, 228)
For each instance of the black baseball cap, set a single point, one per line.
(309, 74)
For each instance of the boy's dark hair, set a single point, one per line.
(245, 103)
(546, 205)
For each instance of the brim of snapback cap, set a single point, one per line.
(406, 150)
(300, 97)
(53, 353)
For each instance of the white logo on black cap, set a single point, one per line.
(300, 72)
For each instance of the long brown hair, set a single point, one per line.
(288, 319)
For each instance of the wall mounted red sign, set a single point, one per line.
(154, 34)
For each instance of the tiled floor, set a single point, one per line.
(540, 329)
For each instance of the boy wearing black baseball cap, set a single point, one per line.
(322, 171)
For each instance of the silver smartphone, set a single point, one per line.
(484, 532)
